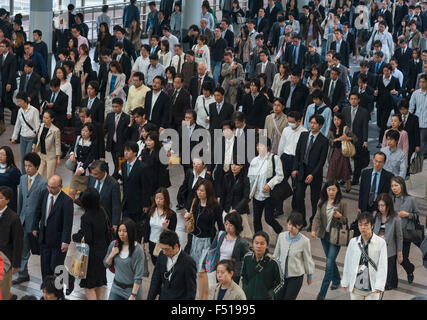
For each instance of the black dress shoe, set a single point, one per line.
(20, 280)
(410, 277)
(334, 287)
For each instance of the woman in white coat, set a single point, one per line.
(365, 265)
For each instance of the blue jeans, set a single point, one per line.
(26, 146)
(216, 70)
(114, 296)
(331, 272)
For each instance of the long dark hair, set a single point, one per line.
(167, 211)
(211, 200)
(131, 231)
(341, 128)
(154, 135)
(10, 158)
(388, 203)
(324, 193)
(403, 190)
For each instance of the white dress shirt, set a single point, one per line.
(2, 211)
(32, 116)
(154, 98)
(289, 140)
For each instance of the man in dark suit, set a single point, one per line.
(410, 123)
(198, 81)
(271, 12)
(116, 127)
(341, 46)
(60, 40)
(357, 119)
(167, 7)
(178, 282)
(401, 10)
(95, 105)
(185, 131)
(334, 88)
(124, 60)
(349, 37)
(227, 34)
(104, 70)
(30, 84)
(266, 67)
(376, 66)
(294, 92)
(109, 191)
(75, 84)
(276, 32)
(310, 157)
(137, 122)
(254, 6)
(179, 102)
(219, 111)
(136, 186)
(364, 69)
(154, 44)
(387, 15)
(160, 23)
(58, 103)
(374, 182)
(53, 223)
(296, 53)
(8, 82)
(403, 56)
(128, 47)
(415, 68)
(261, 25)
(366, 93)
(255, 106)
(157, 105)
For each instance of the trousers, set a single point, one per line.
(364, 295)
(258, 208)
(291, 288)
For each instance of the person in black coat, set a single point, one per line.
(128, 47)
(116, 134)
(410, 123)
(271, 12)
(109, 190)
(403, 56)
(387, 15)
(308, 165)
(8, 83)
(401, 10)
(159, 113)
(75, 84)
(160, 23)
(179, 102)
(254, 6)
(415, 68)
(275, 33)
(30, 83)
(295, 54)
(343, 45)
(261, 23)
(364, 69)
(334, 88)
(296, 101)
(94, 104)
(225, 110)
(104, 70)
(359, 127)
(205, 79)
(136, 198)
(255, 106)
(58, 103)
(94, 231)
(227, 34)
(178, 283)
(369, 192)
(383, 97)
(53, 231)
(123, 58)
(235, 190)
(366, 93)
(187, 190)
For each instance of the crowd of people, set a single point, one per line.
(271, 70)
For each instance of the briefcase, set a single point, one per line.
(34, 244)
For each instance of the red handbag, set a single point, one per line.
(112, 268)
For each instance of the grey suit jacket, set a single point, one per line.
(27, 200)
(110, 198)
(393, 234)
(270, 72)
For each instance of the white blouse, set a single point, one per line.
(202, 105)
(156, 225)
(68, 90)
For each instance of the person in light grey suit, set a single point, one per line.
(28, 195)
(109, 190)
(269, 69)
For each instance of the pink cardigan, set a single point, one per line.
(402, 144)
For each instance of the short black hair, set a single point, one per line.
(29, 63)
(22, 95)
(262, 234)
(393, 134)
(139, 75)
(317, 94)
(95, 85)
(319, 119)
(38, 32)
(296, 115)
(138, 111)
(296, 219)
(192, 112)
(236, 220)
(365, 216)
(228, 123)
(99, 165)
(132, 146)
(90, 199)
(34, 158)
(50, 287)
(55, 83)
(238, 116)
(117, 101)
(354, 93)
(220, 90)
(169, 238)
(6, 192)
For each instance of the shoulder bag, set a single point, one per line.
(416, 163)
(189, 224)
(348, 149)
(281, 191)
(366, 256)
(112, 268)
(28, 125)
(341, 235)
(70, 165)
(213, 255)
(415, 232)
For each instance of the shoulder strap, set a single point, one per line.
(28, 125)
(204, 106)
(365, 254)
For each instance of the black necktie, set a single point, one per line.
(372, 192)
(310, 145)
(174, 97)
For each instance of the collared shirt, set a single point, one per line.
(2, 211)
(89, 102)
(131, 165)
(152, 72)
(378, 181)
(196, 177)
(418, 106)
(291, 91)
(100, 183)
(239, 131)
(48, 202)
(141, 65)
(399, 75)
(32, 178)
(263, 66)
(396, 161)
(289, 140)
(153, 102)
(171, 262)
(32, 116)
(386, 81)
(136, 98)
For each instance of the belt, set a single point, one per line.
(122, 285)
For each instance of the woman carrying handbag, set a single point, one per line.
(331, 212)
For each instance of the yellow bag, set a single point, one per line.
(77, 259)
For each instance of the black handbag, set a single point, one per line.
(281, 191)
(34, 244)
(415, 234)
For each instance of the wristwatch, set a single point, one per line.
(134, 294)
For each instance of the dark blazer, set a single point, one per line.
(126, 64)
(339, 92)
(122, 129)
(182, 284)
(366, 98)
(110, 198)
(8, 72)
(399, 13)
(365, 186)
(135, 195)
(272, 16)
(298, 97)
(182, 103)
(60, 109)
(351, 41)
(403, 60)
(147, 229)
(360, 123)
(161, 112)
(255, 110)
(158, 27)
(215, 153)
(270, 72)
(77, 92)
(96, 111)
(128, 47)
(33, 88)
(262, 26)
(60, 40)
(344, 51)
(384, 98)
(184, 135)
(388, 17)
(216, 119)
(274, 35)
(301, 54)
(11, 178)
(414, 70)
(59, 223)
(372, 65)
(235, 192)
(372, 79)
(316, 159)
(11, 237)
(186, 192)
(194, 83)
(412, 127)
(104, 70)
(229, 37)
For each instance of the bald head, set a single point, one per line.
(54, 185)
(201, 69)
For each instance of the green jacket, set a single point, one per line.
(265, 283)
